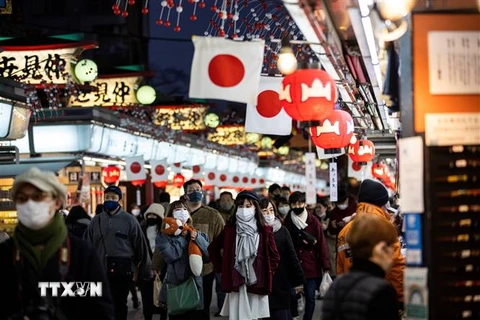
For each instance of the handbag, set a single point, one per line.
(182, 298)
(157, 285)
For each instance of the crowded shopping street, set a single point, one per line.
(239, 159)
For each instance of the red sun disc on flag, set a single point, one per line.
(254, 180)
(159, 170)
(177, 164)
(196, 169)
(135, 167)
(245, 180)
(211, 175)
(268, 104)
(262, 181)
(222, 62)
(236, 179)
(223, 177)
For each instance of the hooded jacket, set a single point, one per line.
(344, 256)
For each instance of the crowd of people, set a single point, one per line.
(260, 254)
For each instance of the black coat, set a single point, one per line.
(84, 267)
(361, 294)
(289, 273)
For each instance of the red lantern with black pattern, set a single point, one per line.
(308, 94)
(334, 132)
(178, 180)
(361, 151)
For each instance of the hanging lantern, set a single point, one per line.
(160, 184)
(146, 95)
(308, 94)
(334, 132)
(362, 151)
(138, 183)
(86, 70)
(178, 180)
(111, 174)
(380, 171)
(356, 166)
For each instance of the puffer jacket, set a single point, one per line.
(344, 256)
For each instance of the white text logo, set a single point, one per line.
(71, 289)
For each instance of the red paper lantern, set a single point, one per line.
(111, 174)
(334, 132)
(356, 166)
(380, 171)
(308, 94)
(138, 183)
(178, 180)
(160, 184)
(362, 151)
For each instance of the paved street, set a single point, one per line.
(138, 315)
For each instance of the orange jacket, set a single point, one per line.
(344, 256)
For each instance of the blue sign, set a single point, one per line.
(414, 239)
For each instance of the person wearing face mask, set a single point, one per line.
(373, 200)
(136, 211)
(363, 292)
(210, 222)
(226, 205)
(119, 240)
(311, 248)
(283, 208)
(153, 218)
(41, 250)
(344, 208)
(289, 273)
(172, 252)
(249, 260)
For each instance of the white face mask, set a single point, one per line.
(245, 214)
(181, 214)
(284, 210)
(269, 219)
(342, 206)
(34, 215)
(136, 212)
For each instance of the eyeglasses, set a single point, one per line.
(37, 197)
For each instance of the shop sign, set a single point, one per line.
(332, 167)
(110, 91)
(310, 174)
(414, 239)
(74, 177)
(14, 120)
(186, 118)
(228, 135)
(35, 66)
(416, 293)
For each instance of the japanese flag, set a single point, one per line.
(159, 170)
(224, 179)
(266, 115)
(135, 168)
(197, 172)
(226, 69)
(211, 178)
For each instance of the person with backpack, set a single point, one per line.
(363, 293)
(42, 251)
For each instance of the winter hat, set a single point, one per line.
(77, 213)
(248, 195)
(114, 189)
(46, 181)
(373, 192)
(156, 209)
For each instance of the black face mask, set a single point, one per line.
(152, 221)
(298, 211)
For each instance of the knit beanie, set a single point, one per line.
(156, 209)
(373, 192)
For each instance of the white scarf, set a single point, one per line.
(247, 241)
(300, 221)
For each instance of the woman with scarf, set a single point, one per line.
(311, 247)
(289, 273)
(250, 258)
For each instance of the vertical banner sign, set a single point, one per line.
(413, 236)
(332, 168)
(310, 174)
(416, 293)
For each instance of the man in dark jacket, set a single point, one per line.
(42, 254)
(119, 240)
(311, 247)
(363, 293)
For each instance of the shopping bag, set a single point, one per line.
(182, 298)
(157, 285)
(326, 282)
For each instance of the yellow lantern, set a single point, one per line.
(86, 70)
(146, 95)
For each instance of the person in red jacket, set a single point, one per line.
(249, 260)
(311, 247)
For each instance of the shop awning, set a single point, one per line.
(51, 164)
